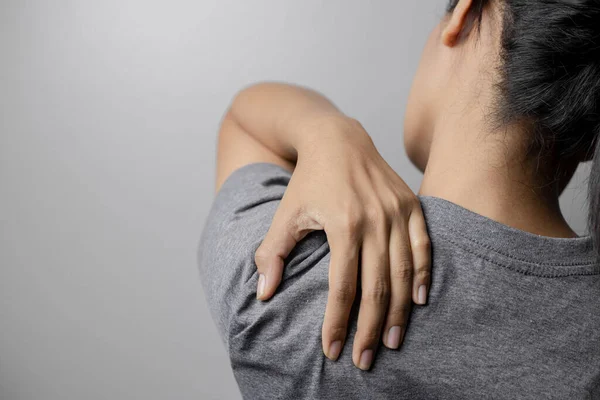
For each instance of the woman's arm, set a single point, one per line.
(340, 185)
(273, 122)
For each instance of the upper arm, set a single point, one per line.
(237, 148)
(261, 336)
(235, 226)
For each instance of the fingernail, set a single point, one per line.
(422, 296)
(393, 339)
(334, 350)
(261, 286)
(365, 360)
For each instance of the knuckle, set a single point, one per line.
(261, 256)
(369, 336)
(399, 312)
(402, 273)
(344, 293)
(349, 221)
(407, 200)
(395, 205)
(412, 201)
(374, 213)
(422, 271)
(394, 199)
(422, 244)
(334, 329)
(378, 293)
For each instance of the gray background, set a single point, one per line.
(108, 117)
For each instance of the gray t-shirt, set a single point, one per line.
(509, 315)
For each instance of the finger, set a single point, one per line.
(289, 226)
(421, 255)
(375, 296)
(401, 275)
(343, 273)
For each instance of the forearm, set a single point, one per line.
(279, 123)
(284, 118)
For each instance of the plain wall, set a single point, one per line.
(108, 117)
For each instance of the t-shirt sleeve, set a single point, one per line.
(239, 219)
(236, 225)
(260, 336)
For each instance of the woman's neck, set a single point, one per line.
(486, 173)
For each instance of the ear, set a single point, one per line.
(457, 23)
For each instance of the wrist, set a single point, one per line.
(330, 129)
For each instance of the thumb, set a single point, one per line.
(286, 230)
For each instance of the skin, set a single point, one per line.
(364, 207)
(448, 132)
(340, 184)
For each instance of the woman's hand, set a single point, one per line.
(340, 184)
(343, 186)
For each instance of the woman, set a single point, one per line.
(504, 106)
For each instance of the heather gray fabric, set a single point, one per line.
(510, 314)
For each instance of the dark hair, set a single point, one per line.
(550, 79)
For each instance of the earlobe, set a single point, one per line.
(457, 23)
